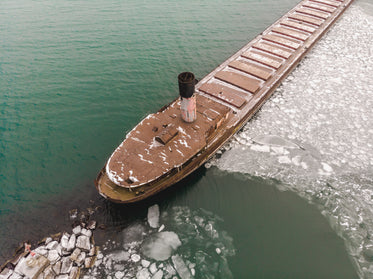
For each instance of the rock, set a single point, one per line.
(77, 230)
(88, 262)
(74, 255)
(52, 245)
(145, 263)
(32, 266)
(41, 250)
(92, 225)
(181, 267)
(6, 273)
(57, 267)
(15, 275)
(83, 243)
(74, 273)
(48, 240)
(153, 268)
(48, 273)
(86, 232)
(158, 275)
(66, 266)
(153, 216)
(59, 250)
(71, 243)
(80, 260)
(73, 214)
(62, 276)
(53, 256)
(65, 240)
(135, 258)
(160, 246)
(92, 252)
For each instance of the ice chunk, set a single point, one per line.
(161, 245)
(284, 160)
(272, 140)
(260, 148)
(133, 234)
(119, 274)
(143, 274)
(135, 258)
(145, 263)
(119, 256)
(158, 275)
(181, 267)
(153, 216)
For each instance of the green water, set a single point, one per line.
(75, 76)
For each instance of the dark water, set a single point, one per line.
(75, 76)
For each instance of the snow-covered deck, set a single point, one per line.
(163, 141)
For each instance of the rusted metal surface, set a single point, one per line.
(162, 149)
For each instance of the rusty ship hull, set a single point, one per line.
(163, 149)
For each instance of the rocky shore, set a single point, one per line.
(175, 244)
(61, 256)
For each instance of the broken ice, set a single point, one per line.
(191, 244)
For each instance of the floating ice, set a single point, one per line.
(322, 118)
(191, 244)
(153, 216)
(161, 245)
(181, 267)
(134, 234)
(273, 140)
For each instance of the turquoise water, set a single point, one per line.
(75, 76)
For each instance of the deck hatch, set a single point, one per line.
(319, 7)
(299, 26)
(291, 33)
(273, 50)
(263, 58)
(314, 13)
(224, 93)
(328, 2)
(167, 134)
(252, 69)
(249, 84)
(307, 19)
(282, 41)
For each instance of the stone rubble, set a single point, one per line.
(59, 258)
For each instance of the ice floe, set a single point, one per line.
(190, 246)
(315, 134)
